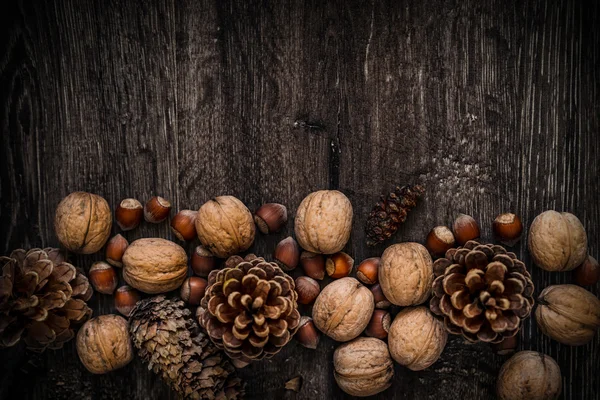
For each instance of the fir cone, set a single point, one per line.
(41, 297)
(175, 347)
(482, 291)
(250, 308)
(390, 212)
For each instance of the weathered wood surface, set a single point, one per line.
(494, 106)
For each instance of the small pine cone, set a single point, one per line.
(41, 298)
(175, 347)
(250, 309)
(482, 291)
(390, 212)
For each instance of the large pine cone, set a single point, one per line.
(482, 291)
(41, 297)
(171, 342)
(250, 308)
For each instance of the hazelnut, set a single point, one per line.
(406, 274)
(557, 241)
(157, 209)
(307, 335)
(507, 228)
(588, 273)
(380, 300)
(103, 344)
(324, 221)
(287, 254)
(225, 226)
(507, 346)
(183, 225)
(82, 222)
(313, 264)
(202, 261)
(125, 299)
(129, 214)
(308, 289)
(465, 229)
(192, 290)
(439, 241)
(568, 314)
(103, 277)
(367, 270)
(270, 217)
(379, 325)
(363, 367)
(416, 338)
(115, 249)
(529, 375)
(339, 265)
(154, 265)
(343, 309)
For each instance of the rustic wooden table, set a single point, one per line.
(493, 105)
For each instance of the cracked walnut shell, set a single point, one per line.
(83, 222)
(343, 309)
(324, 221)
(363, 367)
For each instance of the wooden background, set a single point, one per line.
(493, 105)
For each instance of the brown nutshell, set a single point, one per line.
(183, 225)
(367, 271)
(339, 265)
(129, 214)
(465, 228)
(379, 325)
(307, 335)
(529, 375)
(193, 289)
(202, 261)
(308, 289)
(439, 240)
(115, 248)
(380, 300)
(103, 277)
(313, 265)
(588, 273)
(157, 209)
(270, 217)
(508, 228)
(287, 254)
(126, 298)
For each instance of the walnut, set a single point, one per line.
(363, 367)
(154, 265)
(568, 314)
(416, 338)
(103, 344)
(343, 309)
(557, 241)
(406, 274)
(225, 226)
(529, 375)
(82, 222)
(324, 221)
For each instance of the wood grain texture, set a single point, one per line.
(494, 106)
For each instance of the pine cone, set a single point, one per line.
(250, 308)
(41, 297)
(171, 342)
(482, 291)
(390, 212)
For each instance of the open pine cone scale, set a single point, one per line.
(482, 291)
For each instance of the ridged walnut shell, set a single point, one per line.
(568, 314)
(103, 344)
(363, 367)
(557, 241)
(406, 274)
(154, 265)
(529, 375)
(83, 222)
(225, 226)
(343, 309)
(416, 338)
(324, 221)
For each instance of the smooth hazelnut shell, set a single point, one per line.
(380, 300)
(183, 225)
(465, 228)
(307, 335)
(507, 228)
(115, 248)
(270, 217)
(313, 264)
(588, 273)
(157, 209)
(439, 240)
(129, 214)
(203, 261)
(367, 271)
(379, 325)
(287, 254)
(103, 277)
(339, 265)
(125, 299)
(308, 289)
(193, 289)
